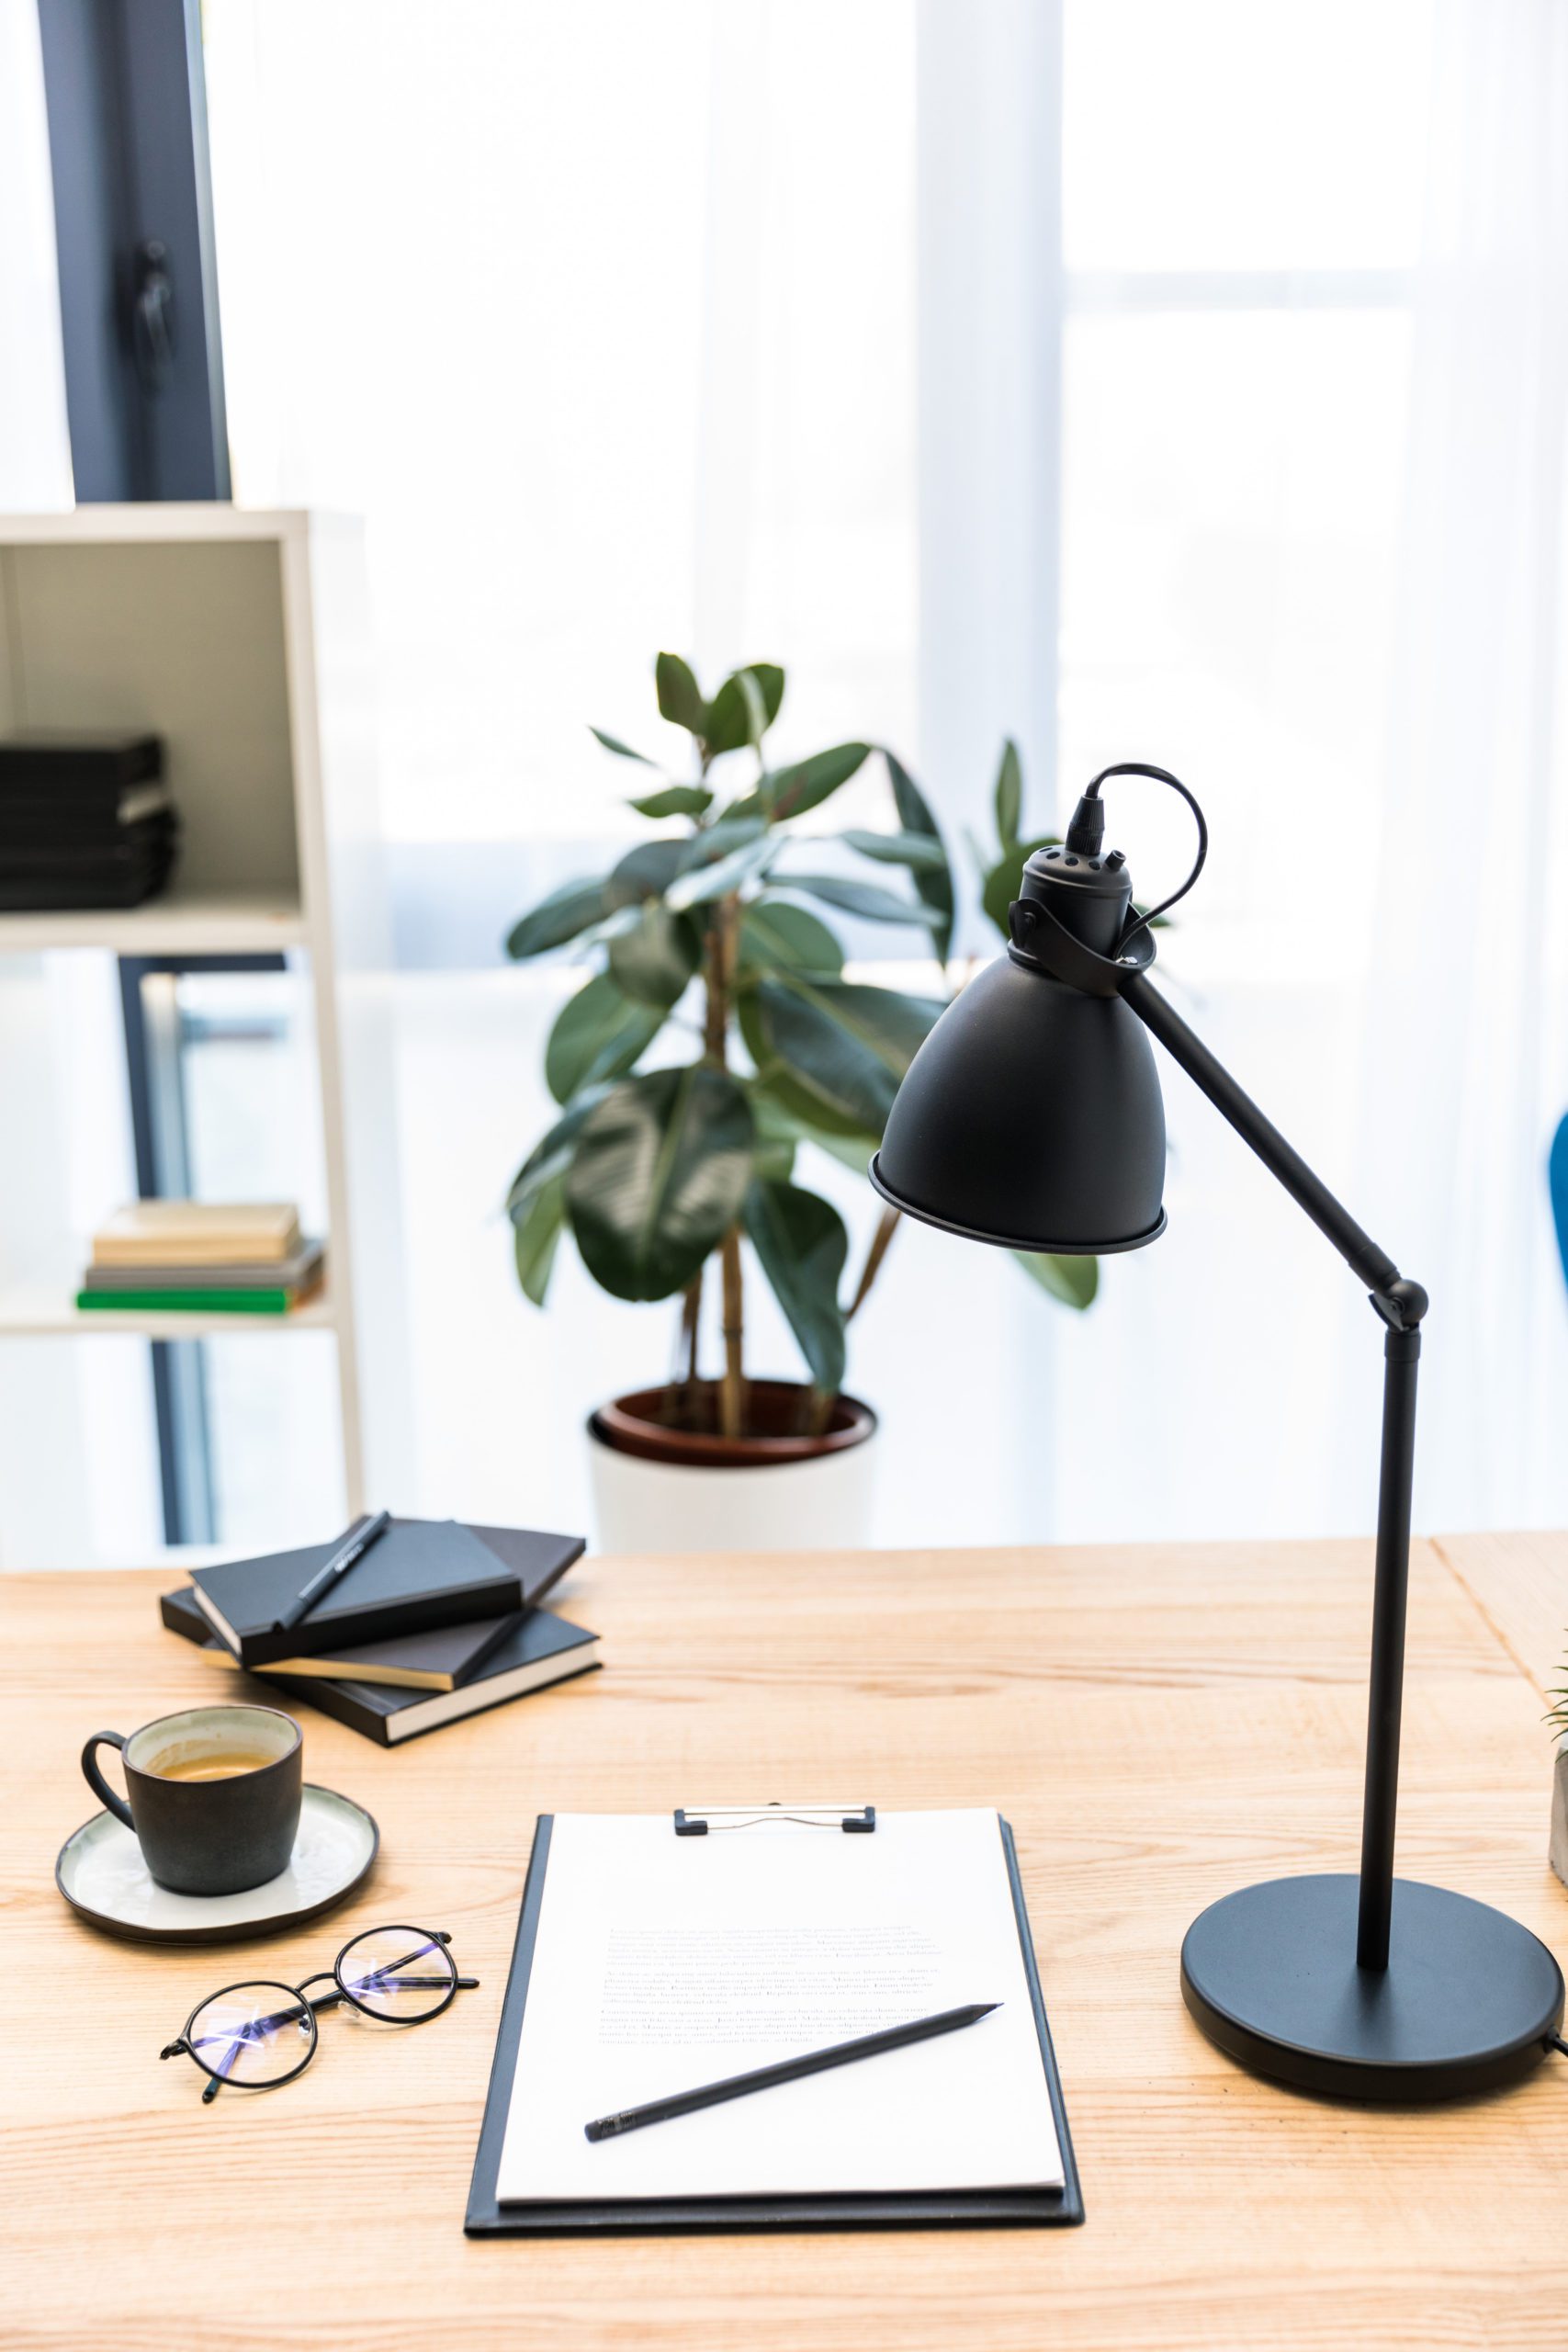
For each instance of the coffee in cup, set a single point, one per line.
(217, 1764)
(214, 1794)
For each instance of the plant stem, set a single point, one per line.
(886, 1226)
(716, 1025)
(691, 1310)
(732, 1394)
(722, 941)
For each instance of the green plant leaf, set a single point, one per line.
(773, 1155)
(801, 1245)
(707, 882)
(1010, 794)
(612, 926)
(852, 1151)
(715, 841)
(1073, 1281)
(775, 1161)
(675, 800)
(783, 1112)
(539, 1231)
(778, 937)
(658, 1177)
(622, 751)
(860, 898)
(680, 699)
(653, 964)
(1004, 880)
(921, 853)
(794, 790)
(934, 885)
(598, 1035)
(834, 1051)
(744, 707)
(556, 919)
(646, 872)
(552, 1155)
(789, 792)
(811, 1106)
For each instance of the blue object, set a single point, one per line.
(1557, 1180)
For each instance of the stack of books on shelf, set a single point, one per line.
(435, 1621)
(85, 820)
(244, 1258)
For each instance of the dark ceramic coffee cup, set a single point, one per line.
(214, 1794)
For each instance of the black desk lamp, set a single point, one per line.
(1031, 1117)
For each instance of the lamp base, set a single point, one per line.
(1466, 2003)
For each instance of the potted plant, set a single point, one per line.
(674, 1177)
(1558, 1848)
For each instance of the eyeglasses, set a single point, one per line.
(260, 2034)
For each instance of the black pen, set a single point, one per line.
(788, 2070)
(356, 1542)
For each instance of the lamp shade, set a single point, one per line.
(1031, 1117)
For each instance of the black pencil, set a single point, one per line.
(788, 2070)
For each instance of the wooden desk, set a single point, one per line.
(1159, 1725)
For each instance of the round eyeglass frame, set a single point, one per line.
(439, 1944)
(298, 1992)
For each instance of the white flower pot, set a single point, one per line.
(1558, 1849)
(766, 1501)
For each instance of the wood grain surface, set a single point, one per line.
(1159, 1724)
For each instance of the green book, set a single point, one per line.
(198, 1302)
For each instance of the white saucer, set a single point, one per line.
(102, 1875)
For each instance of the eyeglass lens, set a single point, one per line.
(401, 1973)
(252, 2034)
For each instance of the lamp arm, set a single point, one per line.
(1401, 1303)
(1359, 1251)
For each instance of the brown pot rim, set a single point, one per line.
(626, 1425)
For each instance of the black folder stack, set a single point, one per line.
(85, 821)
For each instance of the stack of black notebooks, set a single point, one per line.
(85, 821)
(435, 1621)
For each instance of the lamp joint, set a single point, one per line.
(1401, 1304)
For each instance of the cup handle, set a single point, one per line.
(96, 1779)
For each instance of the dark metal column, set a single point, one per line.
(1402, 1351)
(156, 1086)
(127, 103)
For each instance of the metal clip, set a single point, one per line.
(856, 1821)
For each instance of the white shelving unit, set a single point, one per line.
(29, 1310)
(193, 923)
(240, 637)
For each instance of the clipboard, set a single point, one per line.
(485, 2217)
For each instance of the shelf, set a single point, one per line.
(43, 1311)
(215, 922)
(176, 522)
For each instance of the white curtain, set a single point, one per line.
(35, 450)
(758, 353)
(1465, 1072)
(751, 326)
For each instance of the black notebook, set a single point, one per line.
(78, 763)
(533, 1651)
(442, 1658)
(437, 1657)
(539, 1650)
(420, 1573)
